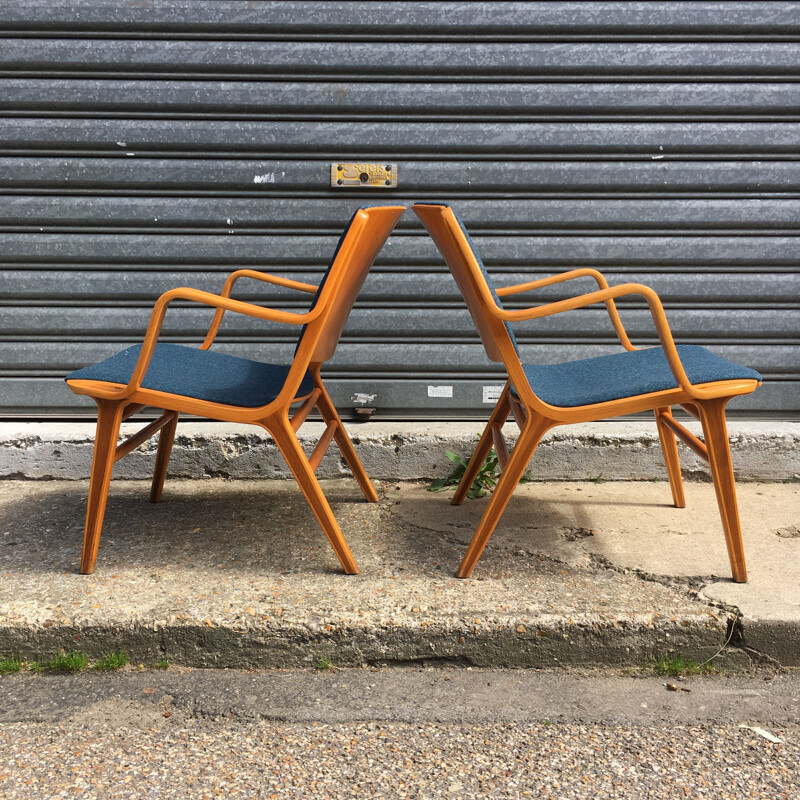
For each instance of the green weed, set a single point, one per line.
(323, 664)
(484, 482)
(8, 666)
(163, 664)
(111, 662)
(677, 666)
(68, 662)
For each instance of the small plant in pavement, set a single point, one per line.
(677, 666)
(111, 662)
(485, 479)
(323, 664)
(68, 662)
(8, 666)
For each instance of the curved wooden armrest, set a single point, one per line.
(570, 275)
(656, 311)
(286, 283)
(585, 272)
(208, 299)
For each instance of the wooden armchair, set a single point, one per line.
(543, 396)
(199, 381)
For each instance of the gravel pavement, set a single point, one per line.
(202, 759)
(209, 734)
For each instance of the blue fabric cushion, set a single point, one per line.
(635, 372)
(201, 374)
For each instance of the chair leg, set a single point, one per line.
(109, 418)
(669, 446)
(165, 439)
(499, 415)
(530, 436)
(329, 413)
(290, 448)
(712, 417)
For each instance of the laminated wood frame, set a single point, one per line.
(368, 230)
(704, 400)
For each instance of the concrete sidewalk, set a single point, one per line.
(237, 573)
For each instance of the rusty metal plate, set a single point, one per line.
(369, 176)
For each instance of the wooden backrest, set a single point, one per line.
(450, 237)
(361, 242)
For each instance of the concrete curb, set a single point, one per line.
(630, 450)
(279, 647)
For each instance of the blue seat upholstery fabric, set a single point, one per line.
(628, 374)
(207, 375)
(202, 374)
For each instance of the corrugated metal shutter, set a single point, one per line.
(144, 146)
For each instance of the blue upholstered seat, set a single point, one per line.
(635, 372)
(207, 375)
(202, 374)
(613, 377)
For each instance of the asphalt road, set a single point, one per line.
(397, 733)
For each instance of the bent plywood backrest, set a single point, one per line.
(371, 239)
(447, 232)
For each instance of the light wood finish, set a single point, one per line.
(686, 436)
(705, 399)
(712, 417)
(303, 473)
(365, 236)
(129, 445)
(572, 274)
(517, 410)
(691, 410)
(109, 418)
(497, 420)
(309, 404)
(500, 446)
(670, 449)
(165, 440)
(329, 414)
(322, 445)
(529, 438)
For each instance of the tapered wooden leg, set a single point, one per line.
(670, 448)
(329, 414)
(499, 415)
(165, 439)
(712, 417)
(290, 448)
(536, 426)
(109, 417)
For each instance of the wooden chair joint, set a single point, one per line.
(308, 406)
(500, 446)
(686, 436)
(130, 410)
(691, 410)
(323, 444)
(517, 410)
(143, 435)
